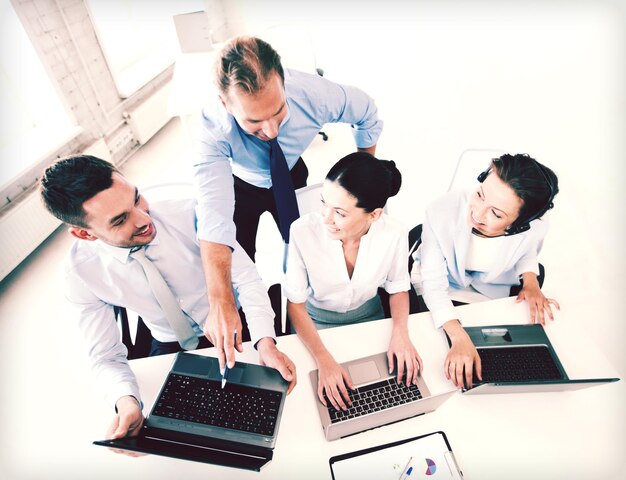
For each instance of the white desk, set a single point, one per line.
(571, 435)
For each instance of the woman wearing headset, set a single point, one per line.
(339, 257)
(487, 240)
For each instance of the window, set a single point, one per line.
(138, 37)
(34, 120)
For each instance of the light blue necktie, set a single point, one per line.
(178, 321)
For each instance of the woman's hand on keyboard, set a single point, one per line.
(406, 356)
(462, 358)
(333, 380)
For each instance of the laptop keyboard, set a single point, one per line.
(373, 398)
(203, 401)
(518, 364)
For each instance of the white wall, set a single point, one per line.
(544, 78)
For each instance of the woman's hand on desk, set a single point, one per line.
(274, 358)
(333, 379)
(462, 358)
(537, 301)
(405, 354)
(127, 422)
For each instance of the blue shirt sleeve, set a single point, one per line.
(224, 147)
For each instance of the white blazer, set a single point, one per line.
(441, 258)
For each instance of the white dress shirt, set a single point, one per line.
(480, 252)
(317, 271)
(441, 261)
(99, 277)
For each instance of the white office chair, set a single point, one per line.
(308, 198)
(168, 190)
(469, 165)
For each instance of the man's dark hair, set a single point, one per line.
(246, 64)
(70, 182)
(369, 180)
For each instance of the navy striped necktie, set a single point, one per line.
(282, 187)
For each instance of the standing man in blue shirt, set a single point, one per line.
(260, 103)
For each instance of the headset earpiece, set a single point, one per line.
(483, 175)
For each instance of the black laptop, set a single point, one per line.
(193, 418)
(520, 358)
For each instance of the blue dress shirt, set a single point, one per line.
(225, 149)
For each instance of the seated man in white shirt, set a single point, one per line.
(110, 219)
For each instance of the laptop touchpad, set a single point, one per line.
(363, 372)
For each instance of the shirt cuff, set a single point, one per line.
(121, 390)
(528, 266)
(296, 296)
(444, 315)
(261, 331)
(397, 286)
(367, 138)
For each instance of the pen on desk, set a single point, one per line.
(407, 470)
(226, 369)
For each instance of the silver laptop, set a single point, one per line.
(519, 359)
(193, 418)
(378, 399)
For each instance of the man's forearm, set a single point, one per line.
(216, 262)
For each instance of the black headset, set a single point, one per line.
(520, 226)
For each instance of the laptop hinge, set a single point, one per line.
(197, 448)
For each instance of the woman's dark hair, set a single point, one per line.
(70, 182)
(369, 180)
(535, 184)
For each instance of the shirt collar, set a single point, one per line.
(121, 254)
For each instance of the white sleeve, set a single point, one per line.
(296, 276)
(107, 353)
(529, 262)
(398, 279)
(252, 296)
(434, 272)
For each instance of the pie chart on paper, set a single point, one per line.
(431, 468)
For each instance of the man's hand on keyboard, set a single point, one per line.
(333, 380)
(274, 358)
(127, 422)
(406, 356)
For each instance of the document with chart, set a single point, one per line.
(427, 456)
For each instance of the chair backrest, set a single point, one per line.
(469, 165)
(168, 191)
(308, 198)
